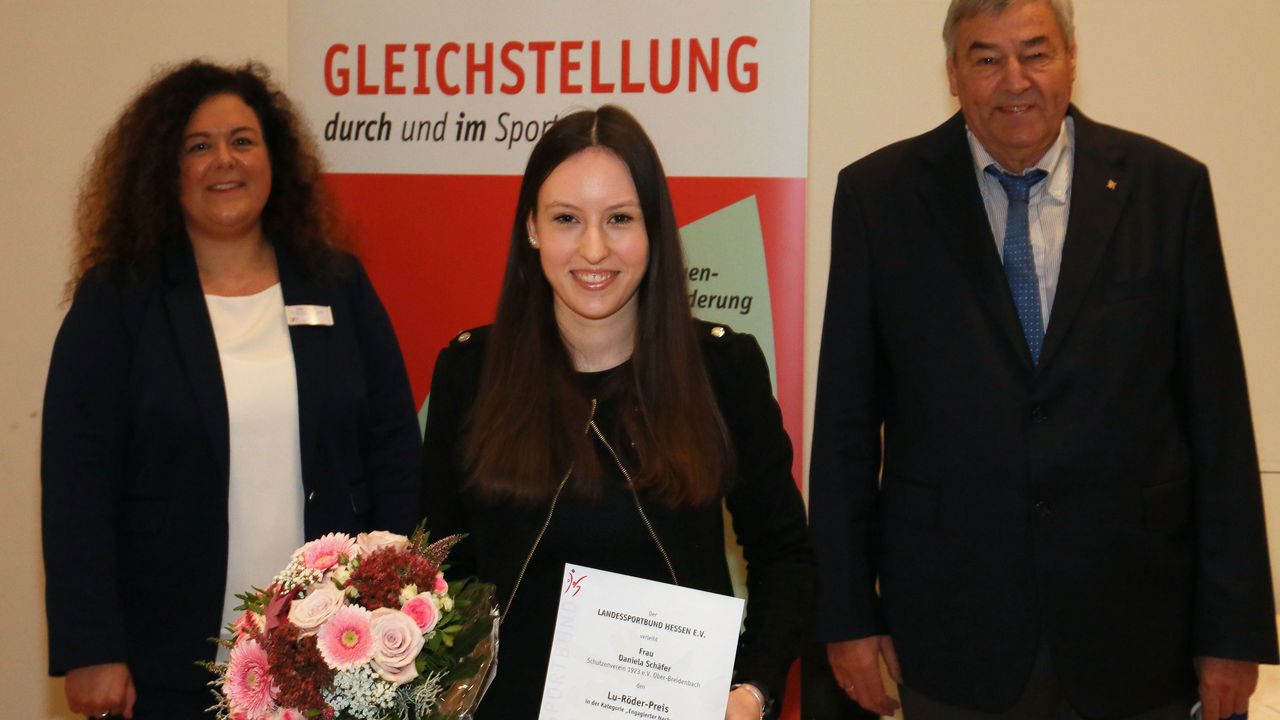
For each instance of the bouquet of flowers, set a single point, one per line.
(362, 628)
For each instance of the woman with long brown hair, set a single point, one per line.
(225, 385)
(597, 422)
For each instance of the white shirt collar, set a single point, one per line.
(1058, 160)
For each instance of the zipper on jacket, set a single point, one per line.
(537, 540)
(634, 495)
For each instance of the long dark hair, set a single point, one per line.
(129, 208)
(529, 416)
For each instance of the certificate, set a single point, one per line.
(627, 648)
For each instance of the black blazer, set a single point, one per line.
(766, 507)
(134, 463)
(1106, 501)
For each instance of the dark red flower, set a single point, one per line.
(297, 668)
(384, 572)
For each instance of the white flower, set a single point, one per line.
(361, 693)
(408, 592)
(296, 574)
(341, 574)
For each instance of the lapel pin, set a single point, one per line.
(1111, 184)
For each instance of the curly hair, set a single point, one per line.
(129, 207)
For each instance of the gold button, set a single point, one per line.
(717, 331)
(464, 337)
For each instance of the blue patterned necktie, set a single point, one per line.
(1019, 265)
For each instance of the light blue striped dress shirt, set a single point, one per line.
(1048, 207)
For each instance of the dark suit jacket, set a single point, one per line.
(1106, 501)
(765, 505)
(135, 458)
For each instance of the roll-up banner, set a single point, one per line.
(426, 112)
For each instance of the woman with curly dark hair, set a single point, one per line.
(225, 386)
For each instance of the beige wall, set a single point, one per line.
(1201, 76)
(66, 67)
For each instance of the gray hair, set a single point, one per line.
(965, 9)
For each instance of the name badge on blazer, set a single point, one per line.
(308, 314)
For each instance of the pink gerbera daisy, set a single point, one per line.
(346, 641)
(325, 551)
(248, 686)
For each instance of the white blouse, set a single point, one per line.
(265, 502)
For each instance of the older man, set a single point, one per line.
(1034, 480)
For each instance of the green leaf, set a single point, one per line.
(466, 640)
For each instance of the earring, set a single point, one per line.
(533, 242)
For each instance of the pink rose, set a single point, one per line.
(422, 611)
(440, 587)
(396, 644)
(312, 611)
(288, 714)
(379, 539)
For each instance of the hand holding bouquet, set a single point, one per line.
(362, 628)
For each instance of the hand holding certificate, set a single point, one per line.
(631, 648)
